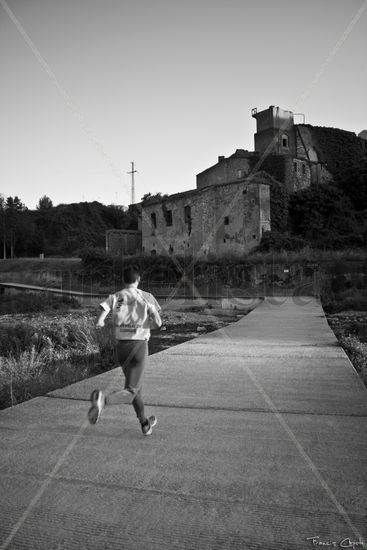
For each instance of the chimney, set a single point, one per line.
(221, 157)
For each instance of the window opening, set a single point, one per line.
(187, 213)
(153, 219)
(169, 217)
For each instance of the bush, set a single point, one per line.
(274, 241)
(108, 269)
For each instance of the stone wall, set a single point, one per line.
(123, 241)
(242, 163)
(302, 174)
(229, 169)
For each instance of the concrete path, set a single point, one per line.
(261, 443)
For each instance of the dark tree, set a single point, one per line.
(3, 226)
(14, 222)
(352, 181)
(323, 216)
(45, 203)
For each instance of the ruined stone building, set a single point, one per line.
(216, 220)
(229, 210)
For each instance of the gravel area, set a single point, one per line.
(180, 326)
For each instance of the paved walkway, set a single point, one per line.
(261, 444)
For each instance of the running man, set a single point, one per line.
(134, 313)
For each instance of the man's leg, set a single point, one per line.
(131, 355)
(133, 368)
(127, 357)
(128, 396)
(138, 405)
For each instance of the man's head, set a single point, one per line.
(131, 275)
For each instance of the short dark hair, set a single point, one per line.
(131, 275)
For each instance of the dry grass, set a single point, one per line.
(39, 353)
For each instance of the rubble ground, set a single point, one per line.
(180, 325)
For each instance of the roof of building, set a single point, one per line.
(243, 153)
(260, 177)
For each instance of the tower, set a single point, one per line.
(274, 131)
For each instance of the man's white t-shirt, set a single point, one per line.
(131, 309)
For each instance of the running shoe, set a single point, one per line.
(147, 428)
(98, 402)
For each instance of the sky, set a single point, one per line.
(88, 86)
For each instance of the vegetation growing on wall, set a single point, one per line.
(324, 217)
(149, 197)
(272, 164)
(279, 205)
(332, 215)
(352, 181)
(336, 148)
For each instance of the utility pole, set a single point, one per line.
(4, 236)
(132, 183)
(4, 230)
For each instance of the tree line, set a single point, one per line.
(62, 230)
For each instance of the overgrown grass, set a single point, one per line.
(350, 299)
(357, 353)
(346, 300)
(308, 254)
(37, 264)
(95, 264)
(42, 353)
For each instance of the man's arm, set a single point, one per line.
(154, 315)
(101, 318)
